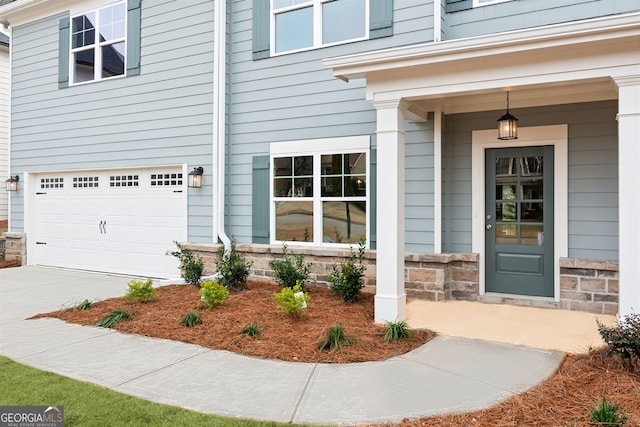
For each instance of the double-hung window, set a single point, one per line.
(320, 191)
(98, 43)
(304, 24)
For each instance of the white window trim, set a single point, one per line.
(97, 73)
(478, 3)
(318, 147)
(317, 26)
(555, 135)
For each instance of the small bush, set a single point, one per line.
(84, 305)
(608, 414)
(191, 266)
(292, 301)
(334, 338)
(394, 331)
(140, 291)
(113, 318)
(290, 269)
(252, 329)
(212, 293)
(233, 270)
(623, 339)
(190, 319)
(346, 280)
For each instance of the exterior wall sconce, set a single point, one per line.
(195, 177)
(507, 125)
(12, 183)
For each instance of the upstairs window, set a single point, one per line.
(98, 44)
(305, 24)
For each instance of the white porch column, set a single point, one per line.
(390, 299)
(629, 196)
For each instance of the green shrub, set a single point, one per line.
(623, 339)
(233, 270)
(334, 338)
(394, 331)
(291, 301)
(141, 291)
(346, 280)
(191, 266)
(252, 329)
(290, 269)
(212, 293)
(608, 414)
(190, 319)
(113, 318)
(84, 305)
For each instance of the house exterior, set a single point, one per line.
(320, 123)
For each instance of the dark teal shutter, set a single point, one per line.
(458, 5)
(63, 53)
(133, 37)
(260, 28)
(380, 18)
(260, 211)
(373, 177)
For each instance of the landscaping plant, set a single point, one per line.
(394, 331)
(252, 329)
(84, 305)
(191, 266)
(213, 293)
(292, 301)
(113, 318)
(623, 339)
(140, 291)
(190, 319)
(347, 279)
(334, 338)
(290, 269)
(233, 270)
(607, 414)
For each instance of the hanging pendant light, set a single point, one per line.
(507, 125)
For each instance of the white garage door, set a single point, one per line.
(120, 221)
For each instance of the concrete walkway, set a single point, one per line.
(446, 375)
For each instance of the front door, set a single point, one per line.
(519, 221)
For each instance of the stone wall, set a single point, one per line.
(588, 285)
(15, 247)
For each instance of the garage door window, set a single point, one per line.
(85, 182)
(123, 181)
(166, 179)
(49, 183)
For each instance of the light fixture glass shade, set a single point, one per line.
(12, 183)
(507, 127)
(195, 177)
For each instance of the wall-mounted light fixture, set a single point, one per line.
(507, 125)
(12, 183)
(195, 177)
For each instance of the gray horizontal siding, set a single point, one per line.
(592, 175)
(513, 15)
(292, 97)
(163, 116)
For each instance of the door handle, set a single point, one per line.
(489, 227)
(100, 227)
(103, 227)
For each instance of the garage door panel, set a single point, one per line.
(105, 225)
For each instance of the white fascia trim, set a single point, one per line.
(556, 135)
(20, 12)
(610, 27)
(324, 145)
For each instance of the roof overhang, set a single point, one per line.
(570, 62)
(22, 11)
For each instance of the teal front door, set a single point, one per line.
(519, 221)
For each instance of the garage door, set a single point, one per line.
(120, 221)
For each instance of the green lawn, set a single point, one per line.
(90, 405)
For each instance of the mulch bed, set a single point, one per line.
(281, 337)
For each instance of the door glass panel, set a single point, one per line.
(531, 166)
(532, 235)
(506, 166)
(506, 211)
(506, 190)
(532, 190)
(532, 212)
(507, 234)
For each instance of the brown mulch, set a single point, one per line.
(281, 337)
(562, 400)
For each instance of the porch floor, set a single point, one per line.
(568, 331)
